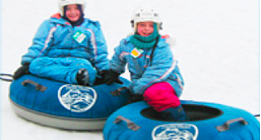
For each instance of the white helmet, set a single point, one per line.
(63, 3)
(143, 15)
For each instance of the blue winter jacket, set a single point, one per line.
(54, 39)
(144, 72)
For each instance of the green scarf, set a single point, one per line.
(142, 42)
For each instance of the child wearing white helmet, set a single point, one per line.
(155, 75)
(72, 11)
(67, 48)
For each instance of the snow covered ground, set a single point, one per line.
(216, 43)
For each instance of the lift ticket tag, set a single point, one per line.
(136, 52)
(79, 36)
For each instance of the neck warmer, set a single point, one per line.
(142, 42)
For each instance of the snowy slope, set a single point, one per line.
(216, 43)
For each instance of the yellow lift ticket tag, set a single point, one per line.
(79, 36)
(136, 52)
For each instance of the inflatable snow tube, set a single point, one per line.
(208, 121)
(65, 106)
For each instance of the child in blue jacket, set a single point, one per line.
(155, 74)
(67, 47)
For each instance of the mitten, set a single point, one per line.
(82, 77)
(24, 69)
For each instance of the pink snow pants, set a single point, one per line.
(161, 96)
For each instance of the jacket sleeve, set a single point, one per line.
(118, 61)
(99, 49)
(41, 41)
(163, 64)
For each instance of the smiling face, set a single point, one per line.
(72, 12)
(145, 28)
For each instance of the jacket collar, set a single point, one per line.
(57, 18)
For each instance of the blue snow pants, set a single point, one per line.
(62, 69)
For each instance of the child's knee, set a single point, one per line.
(161, 96)
(159, 90)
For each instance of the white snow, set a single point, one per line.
(216, 43)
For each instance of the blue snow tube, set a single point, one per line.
(65, 106)
(208, 121)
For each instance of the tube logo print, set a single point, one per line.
(175, 132)
(77, 98)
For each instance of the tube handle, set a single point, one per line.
(131, 125)
(37, 85)
(118, 91)
(226, 125)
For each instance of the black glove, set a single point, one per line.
(110, 77)
(98, 81)
(24, 69)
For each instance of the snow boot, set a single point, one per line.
(175, 114)
(82, 77)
